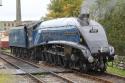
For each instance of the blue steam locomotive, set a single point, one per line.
(70, 42)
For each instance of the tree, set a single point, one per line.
(64, 8)
(114, 22)
(101, 8)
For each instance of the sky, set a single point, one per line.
(30, 9)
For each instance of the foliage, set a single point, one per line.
(64, 8)
(115, 26)
(114, 22)
(101, 8)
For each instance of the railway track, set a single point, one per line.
(26, 66)
(18, 67)
(111, 77)
(77, 77)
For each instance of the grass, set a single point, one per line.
(6, 78)
(116, 71)
(6, 50)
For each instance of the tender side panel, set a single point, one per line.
(17, 37)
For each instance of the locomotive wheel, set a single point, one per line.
(16, 52)
(33, 54)
(61, 60)
(58, 59)
(42, 56)
(45, 56)
(65, 63)
(83, 67)
(51, 55)
(49, 58)
(29, 54)
(11, 50)
(20, 53)
(103, 69)
(55, 59)
(72, 64)
(52, 58)
(37, 56)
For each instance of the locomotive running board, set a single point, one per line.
(69, 43)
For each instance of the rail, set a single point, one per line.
(39, 81)
(68, 80)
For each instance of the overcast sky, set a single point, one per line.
(31, 9)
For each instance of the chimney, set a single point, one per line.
(84, 19)
(18, 11)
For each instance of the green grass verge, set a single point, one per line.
(6, 50)
(6, 78)
(117, 71)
